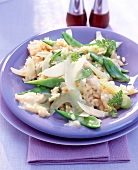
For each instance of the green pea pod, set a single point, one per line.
(114, 72)
(99, 60)
(86, 72)
(40, 89)
(71, 41)
(51, 43)
(49, 82)
(96, 58)
(90, 121)
(90, 44)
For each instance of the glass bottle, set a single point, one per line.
(99, 16)
(76, 15)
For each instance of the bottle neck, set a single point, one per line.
(76, 7)
(100, 7)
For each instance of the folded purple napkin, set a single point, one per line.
(40, 152)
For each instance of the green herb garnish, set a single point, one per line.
(113, 113)
(86, 72)
(75, 56)
(116, 101)
(109, 45)
(56, 58)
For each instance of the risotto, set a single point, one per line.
(76, 80)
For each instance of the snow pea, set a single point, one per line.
(40, 89)
(99, 60)
(51, 43)
(49, 82)
(96, 58)
(90, 121)
(71, 41)
(114, 72)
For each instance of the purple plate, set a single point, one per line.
(17, 123)
(11, 84)
(23, 127)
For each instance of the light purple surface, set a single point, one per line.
(16, 59)
(40, 152)
(22, 19)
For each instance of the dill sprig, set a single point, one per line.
(75, 56)
(116, 101)
(108, 44)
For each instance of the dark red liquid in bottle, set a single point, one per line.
(76, 20)
(99, 20)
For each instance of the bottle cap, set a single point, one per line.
(100, 7)
(76, 7)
